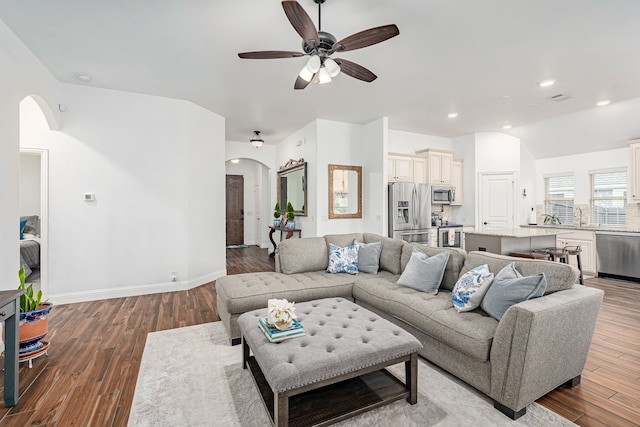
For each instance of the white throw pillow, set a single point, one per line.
(470, 288)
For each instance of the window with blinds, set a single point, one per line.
(608, 196)
(559, 197)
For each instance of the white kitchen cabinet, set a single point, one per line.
(406, 168)
(440, 166)
(456, 181)
(634, 172)
(400, 168)
(587, 243)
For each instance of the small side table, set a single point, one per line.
(289, 235)
(10, 315)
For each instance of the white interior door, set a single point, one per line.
(496, 200)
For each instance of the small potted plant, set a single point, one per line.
(291, 224)
(276, 215)
(551, 219)
(34, 317)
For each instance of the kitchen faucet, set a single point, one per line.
(580, 220)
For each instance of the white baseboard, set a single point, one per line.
(129, 291)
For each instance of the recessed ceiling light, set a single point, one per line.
(603, 103)
(506, 127)
(83, 77)
(546, 83)
(452, 115)
(235, 161)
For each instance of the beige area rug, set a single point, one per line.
(192, 377)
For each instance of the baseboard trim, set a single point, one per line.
(129, 291)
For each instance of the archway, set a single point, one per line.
(36, 122)
(257, 198)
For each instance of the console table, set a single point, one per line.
(289, 232)
(10, 315)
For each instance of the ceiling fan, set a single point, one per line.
(320, 45)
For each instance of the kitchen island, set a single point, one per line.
(507, 241)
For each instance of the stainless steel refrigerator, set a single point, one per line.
(409, 211)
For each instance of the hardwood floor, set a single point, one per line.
(89, 376)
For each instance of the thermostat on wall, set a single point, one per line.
(89, 197)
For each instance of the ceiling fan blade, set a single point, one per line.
(301, 21)
(356, 71)
(366, 38)
(270, 54)
(302, 83)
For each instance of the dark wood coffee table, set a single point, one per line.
(334, 372)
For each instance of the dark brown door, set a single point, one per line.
(235, 209)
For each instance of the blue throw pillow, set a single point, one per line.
(424, 273)
(369, 256)
(343, 260)
(23, 222)
(509, 287)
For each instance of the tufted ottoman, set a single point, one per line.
(336, 370)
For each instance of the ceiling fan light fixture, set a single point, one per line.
(324, 76)
(256, 140)
(332, 67)
(313, 64)
(305, 74)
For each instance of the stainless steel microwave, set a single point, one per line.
(442, 195)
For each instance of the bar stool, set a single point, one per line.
(562, 255)
(536, 254)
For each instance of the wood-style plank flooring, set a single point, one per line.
(89, 376)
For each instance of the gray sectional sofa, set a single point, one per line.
(538, 344)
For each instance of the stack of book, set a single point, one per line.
(276, 335)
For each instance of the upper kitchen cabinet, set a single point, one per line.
(406, 168)
(440, 165)
(634, 171)
(456, 181)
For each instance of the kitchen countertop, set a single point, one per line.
(583, 228)
(515, 232)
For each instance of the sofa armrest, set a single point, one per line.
(542, 343)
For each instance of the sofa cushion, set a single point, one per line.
(424, 273)
(369, 256)
(343, 260)
(245, 292)
(509, 288)
(471, 332)
(391, 251)
(559, 276)
(454, 264)
(303, 255)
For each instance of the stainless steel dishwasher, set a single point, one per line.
(618, 255)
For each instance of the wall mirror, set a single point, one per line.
(292, 186)
(345, 191)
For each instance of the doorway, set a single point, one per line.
(496, 200)
(235, 209)
(34, 201)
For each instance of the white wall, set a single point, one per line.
(151, 163)
(21, 75)
(409, 143)
(528, 182)
(29, 184)
(373, 152)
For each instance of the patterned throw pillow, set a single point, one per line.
(470, 288)
(343, 260)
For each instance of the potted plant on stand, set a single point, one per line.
(291, 224)
(34, 321)
(276, 215)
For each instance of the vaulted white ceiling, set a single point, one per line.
(481, 59)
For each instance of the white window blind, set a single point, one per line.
(559, 197)
(608, 197)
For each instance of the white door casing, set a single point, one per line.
(496, 200)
